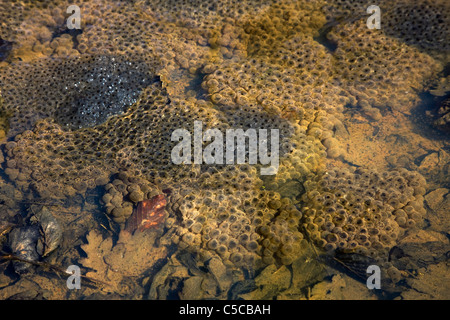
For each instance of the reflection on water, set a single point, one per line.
(88, 179)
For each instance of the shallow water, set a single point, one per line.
(360, 166)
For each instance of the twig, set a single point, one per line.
(37, 202)
(56, 269)
(353, 271)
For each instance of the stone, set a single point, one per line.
(431, 284)
(51, 232)
(429, 162)
(209, 287)
(306, 270)
(435, 198)
(219, 271)
(192, 288)
(420, 249)
(439, 202)
(270, 282)
(340, 287)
